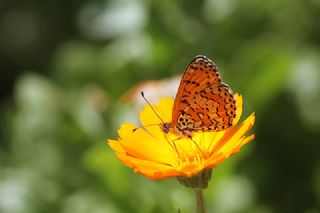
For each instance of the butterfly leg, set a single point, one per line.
(198, 147)
(172, 143)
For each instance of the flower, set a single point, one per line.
(156, 154)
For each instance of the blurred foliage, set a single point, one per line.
(65, 65)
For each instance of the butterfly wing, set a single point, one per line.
(200, 73)
(214, 108)
(202, 102)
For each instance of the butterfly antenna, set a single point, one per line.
(144, 126)
(142, 94)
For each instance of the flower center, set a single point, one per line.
(190, 156)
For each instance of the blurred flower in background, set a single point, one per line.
(67, 67)
(162, 88)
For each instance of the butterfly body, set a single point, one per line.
(203, 102)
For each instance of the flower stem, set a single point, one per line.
(200, 201)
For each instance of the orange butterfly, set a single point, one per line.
(203, 102)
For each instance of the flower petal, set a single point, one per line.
(239, 108)
(143, 144)
(233, 140)
(247, 140)
(150, 169)
(215, 159)
(115, 146)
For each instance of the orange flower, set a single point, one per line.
(156, 155)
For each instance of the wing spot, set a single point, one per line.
(200, 115)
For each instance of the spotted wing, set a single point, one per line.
(213, 108)
(202, 102)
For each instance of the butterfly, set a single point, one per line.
(203, 103)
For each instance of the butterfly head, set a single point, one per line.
(166, 127)
(177, 130)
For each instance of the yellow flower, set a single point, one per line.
(156, 155)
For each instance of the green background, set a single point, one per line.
(66, 64)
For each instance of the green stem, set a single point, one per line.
(200, 201)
